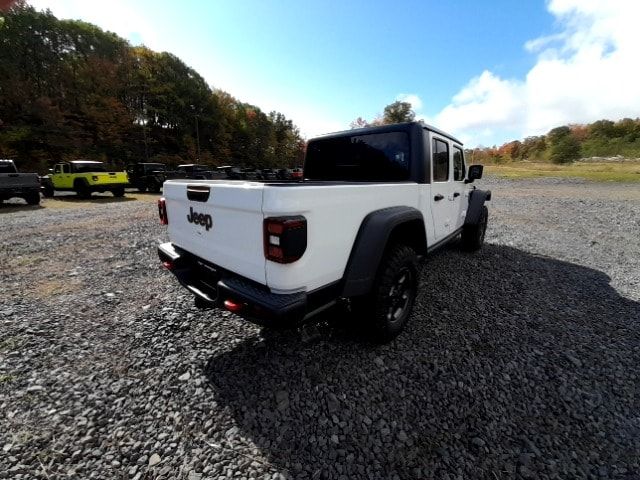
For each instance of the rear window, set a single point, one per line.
(376, 157)
(89, 167)
(155, 167)
(7, 167)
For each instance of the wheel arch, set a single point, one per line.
(477, 199)
(377, 231)
(80, 182)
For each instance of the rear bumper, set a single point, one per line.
(18, 191)
(215, 285)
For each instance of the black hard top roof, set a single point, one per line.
(387, 128)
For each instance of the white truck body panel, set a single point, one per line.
(235, 240)
(334, 214)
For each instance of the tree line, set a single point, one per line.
(603, 138)
(70, 90)
(564, 144)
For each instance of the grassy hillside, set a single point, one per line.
(610, 171)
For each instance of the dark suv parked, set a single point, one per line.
(147, 176)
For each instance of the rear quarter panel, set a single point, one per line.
(334, 214)
(104, 178)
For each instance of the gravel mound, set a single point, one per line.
(521, 360)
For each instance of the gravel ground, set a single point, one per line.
(522, 360)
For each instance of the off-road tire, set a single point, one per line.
(155, 187)
(82, 189)
(472, 237)
(142, 188)
(33, 198)
(387, 308)
(118, 192)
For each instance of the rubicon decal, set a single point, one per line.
(200, 219)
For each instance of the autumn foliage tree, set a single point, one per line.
(396, 112)
(69, 90)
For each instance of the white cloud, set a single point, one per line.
(412, 98)
(117, 16)
(586, 72)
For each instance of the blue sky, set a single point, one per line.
(487, 71)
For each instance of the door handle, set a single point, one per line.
(456, 194)
(198, 193)
(438, 197)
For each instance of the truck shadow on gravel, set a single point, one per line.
(513, 364)
(95, 198)
(17, 207)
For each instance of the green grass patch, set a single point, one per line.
(10, 343)
(6, 378)
(623, 171)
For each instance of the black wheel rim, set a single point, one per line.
(399, 296)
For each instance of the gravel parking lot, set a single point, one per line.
(522, 360)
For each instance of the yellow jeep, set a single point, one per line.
(84, 177)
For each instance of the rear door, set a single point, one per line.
(219, 221)
(442, 204)
(460, 189)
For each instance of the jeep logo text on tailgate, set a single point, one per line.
(200, 219)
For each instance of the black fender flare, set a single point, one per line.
(477, 198)
(80, 182)
(370, 244)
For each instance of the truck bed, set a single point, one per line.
(333, 210)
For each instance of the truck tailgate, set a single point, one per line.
(219, 221)
(19, 180)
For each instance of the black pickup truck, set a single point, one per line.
(20, 185)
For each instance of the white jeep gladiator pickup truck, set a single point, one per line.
(370, 203)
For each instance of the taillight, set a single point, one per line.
(162, 211)
(233, 306)
(285, 238)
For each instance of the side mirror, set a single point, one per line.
(50, 170)
(475, 173)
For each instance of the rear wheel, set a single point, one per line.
(155, 186)
(142, 188)
(33, 198)
(82, 189)
(390, 303)
(473, 235)
(118, 192)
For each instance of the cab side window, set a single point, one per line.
(57, 169)
(65, 168)
(440, 161)
(458, 165)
